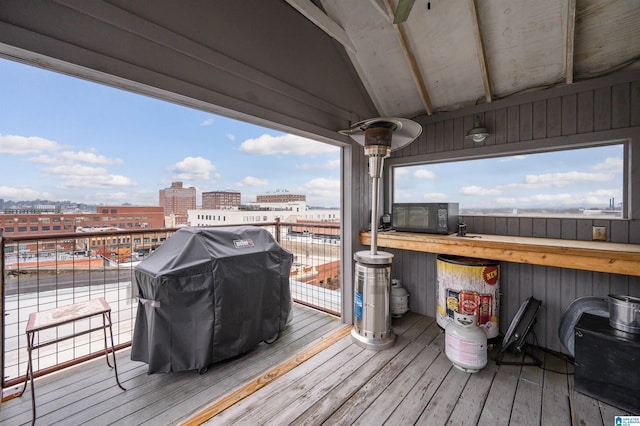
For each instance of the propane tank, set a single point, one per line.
(399, 299)
(465, 343)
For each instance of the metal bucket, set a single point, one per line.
(624, 313)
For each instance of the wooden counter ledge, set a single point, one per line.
(600, 256)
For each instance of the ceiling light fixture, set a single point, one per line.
(478, 133)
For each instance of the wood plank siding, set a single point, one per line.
(581, 114)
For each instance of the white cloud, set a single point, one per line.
(71, 157)
(19, 145)
(556, 198)
(511, 200)
(562, 179)
(285, 144)
(88, 157)
(323, 189)
(22, 193)
(68, 171)
(435, 196)
(611, 165)
(424, 174)
(100, 180)
(193, 168)
(252, 181)
(116, 197)
(332, 164)
(208, 122)
(478, 190)
(400, 172)
(323, 183)
(231, 137)
(328, 165)
(404, 197)
(590, 198)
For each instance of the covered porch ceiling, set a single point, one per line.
(314, 67)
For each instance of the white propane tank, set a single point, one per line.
(399, 299)
(465, 343)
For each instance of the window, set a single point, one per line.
(578, 182)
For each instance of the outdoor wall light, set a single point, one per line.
(477, 133)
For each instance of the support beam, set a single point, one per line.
(482, 58)
(571, 32)
(411, 60)
(322, 21)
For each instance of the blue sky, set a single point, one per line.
(63, 138)
(580, 178)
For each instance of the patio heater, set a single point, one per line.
(372, 282)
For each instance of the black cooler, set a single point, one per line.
(607, 363)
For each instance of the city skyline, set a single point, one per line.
(69, 139)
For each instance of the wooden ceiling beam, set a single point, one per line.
(482, 58)
(322, 21)
(571, 32)
(411, 59)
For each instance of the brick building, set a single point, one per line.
(280, 196)
(220, 199)
(23, 223)
(177, 200)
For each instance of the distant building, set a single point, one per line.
(32, 210)
(280, 196)
(177, 200)
(262, 212)
(23, 223)
(220, 200)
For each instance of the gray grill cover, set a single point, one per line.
(208, 294)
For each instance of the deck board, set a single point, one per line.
(413, 382)
(472, 399)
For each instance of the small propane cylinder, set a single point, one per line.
(399, 299)
(465, 343)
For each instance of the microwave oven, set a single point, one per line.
(431, 218)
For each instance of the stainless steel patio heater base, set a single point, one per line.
(372, 317)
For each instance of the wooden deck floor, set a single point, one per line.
(411, 383)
